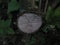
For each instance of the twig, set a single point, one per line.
(33, 3)
(40, 1)
(46, 4)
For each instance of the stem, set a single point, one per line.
(40, 2)
(46, 6)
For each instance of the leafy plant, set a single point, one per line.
(5, 27)
(53, 17)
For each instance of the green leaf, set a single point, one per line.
(48, 14)
(1, 31)
(32, 40)
(4, 24)
(57, 12)
(10, 31)
(45, 28)
(4, 31)
(13, 5)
